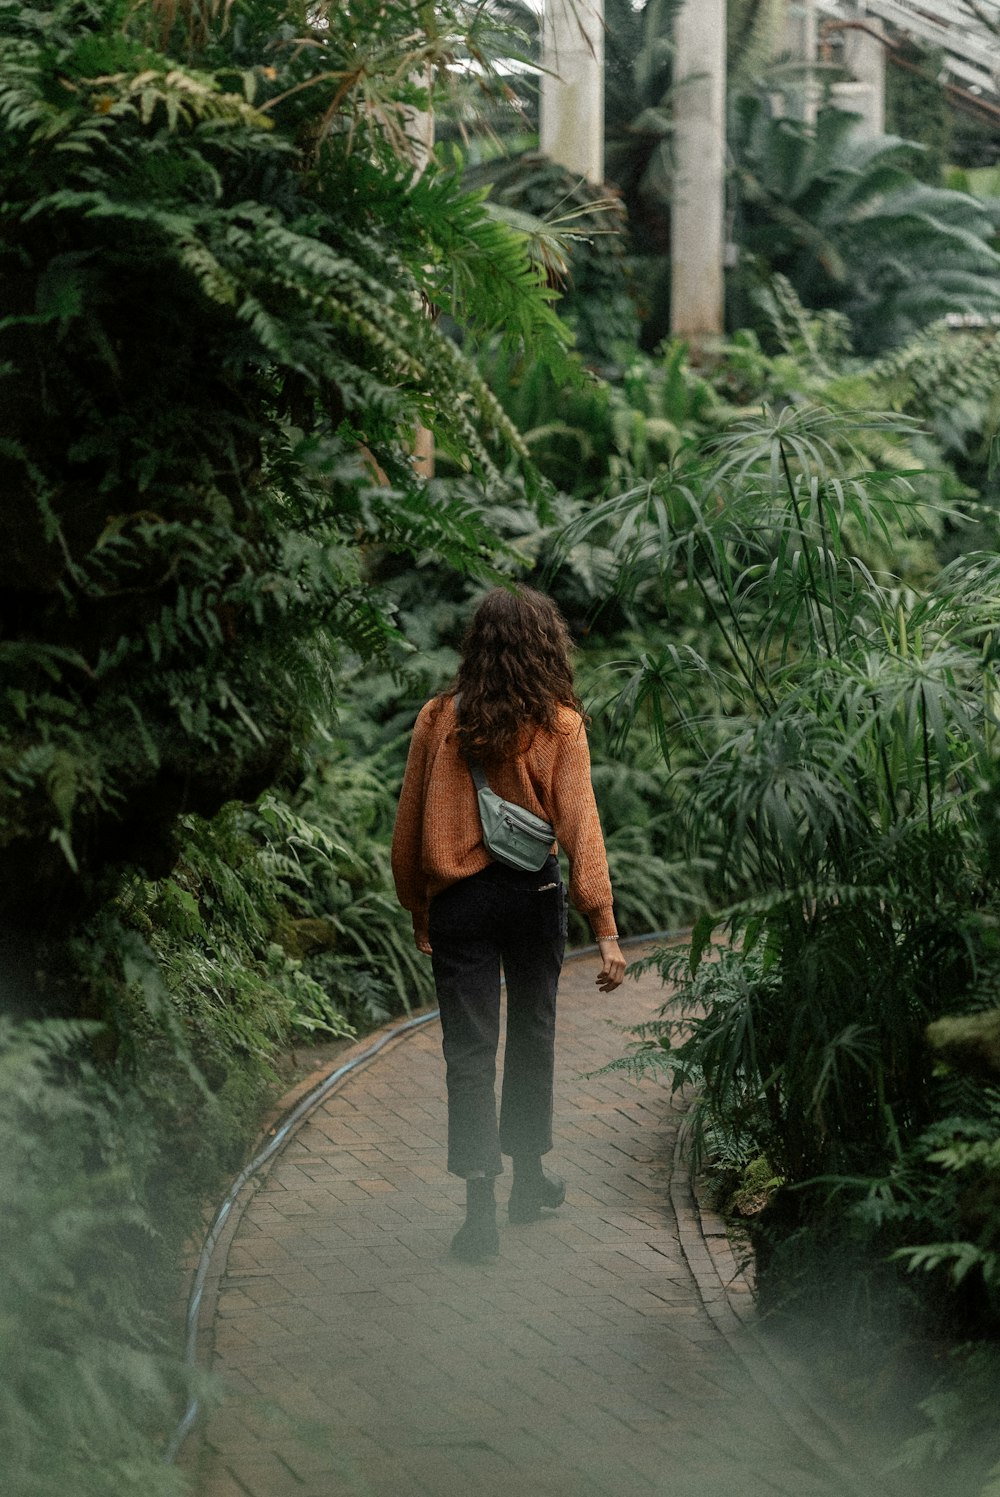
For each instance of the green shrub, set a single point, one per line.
(845, 219)
(330, 857)
(211, 332)
(214, 355)
(836, 758)
(88, 1386)
(838, 791)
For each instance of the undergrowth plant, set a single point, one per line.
(89, 1378)
(329, 856)
(847, 221)
(215, 352)
(844, 740)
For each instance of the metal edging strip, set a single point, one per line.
(310, 1101)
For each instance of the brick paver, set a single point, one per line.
(360, 1360)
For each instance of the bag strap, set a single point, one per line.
(480, 781)
(478, 775)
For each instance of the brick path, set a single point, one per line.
(361, 1361)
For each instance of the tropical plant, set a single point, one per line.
(219, 260)
(591, 269)
(329, 855)
(844, 219)
(216, 354)
(753, 40)
(836, 769)
(494, 120)
(840, 776)
(917, 107)
(947, 377)
(935, 1213)
(88, 1383)
(609, 430)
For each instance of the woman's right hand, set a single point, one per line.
(612, 964)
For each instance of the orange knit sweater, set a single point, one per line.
(438, 838)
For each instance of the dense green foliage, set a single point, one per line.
(597, 299)
(226, 588)
(862, 225)
(847, 222)
(85, 1369)
(212, 329)
(837, 771)
(917, 108)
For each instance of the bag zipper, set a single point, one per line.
(525, 826)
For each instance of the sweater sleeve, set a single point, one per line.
(407, 833)
(578, 830)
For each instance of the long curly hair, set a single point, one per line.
(514, 675)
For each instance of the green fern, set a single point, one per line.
(265, 336)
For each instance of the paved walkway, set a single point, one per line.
(589, 1360)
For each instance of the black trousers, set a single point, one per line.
(518, 919)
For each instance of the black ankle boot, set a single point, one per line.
(532, 1189)
(477, 1238)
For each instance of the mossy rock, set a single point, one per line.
(305, 937)
(969, 1042)
(757, 1188)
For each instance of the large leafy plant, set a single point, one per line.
(220, 261)
(844, 729)
(215, 353)
(836, 756)
(88, 1382)
(850, 226)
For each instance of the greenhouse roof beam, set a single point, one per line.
(971, 49)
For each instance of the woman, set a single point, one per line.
(512, 708)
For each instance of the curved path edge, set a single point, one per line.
(281, 1122)
(727, 1295)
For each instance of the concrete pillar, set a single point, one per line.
(572, 97)
(801, 99)
(697, 214)
(864, 57)
(800, 29)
